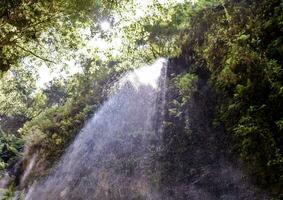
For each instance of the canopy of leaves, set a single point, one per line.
(38, 28)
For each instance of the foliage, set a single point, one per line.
(39, 27)
(9, 193)
(17, 93)
(186, 85)
(243, 56)
(151, 29)
(10, 149)
(55, 93)
(49, 133)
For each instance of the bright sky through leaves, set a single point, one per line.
(101, 47)
(105, 25)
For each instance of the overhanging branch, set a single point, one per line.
(40, 57)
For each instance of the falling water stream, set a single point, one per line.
(111, 158)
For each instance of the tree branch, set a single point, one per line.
(42, 58)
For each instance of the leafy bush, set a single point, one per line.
(10, 149)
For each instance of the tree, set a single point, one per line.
(37, 27)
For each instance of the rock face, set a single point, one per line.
(197, 159)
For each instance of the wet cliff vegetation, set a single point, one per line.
(225, 92)
(237, 50)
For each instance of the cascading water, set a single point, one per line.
(112, 156)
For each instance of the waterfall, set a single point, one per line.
(113, 155)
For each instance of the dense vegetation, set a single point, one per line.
(235, 46)
(240, 47)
